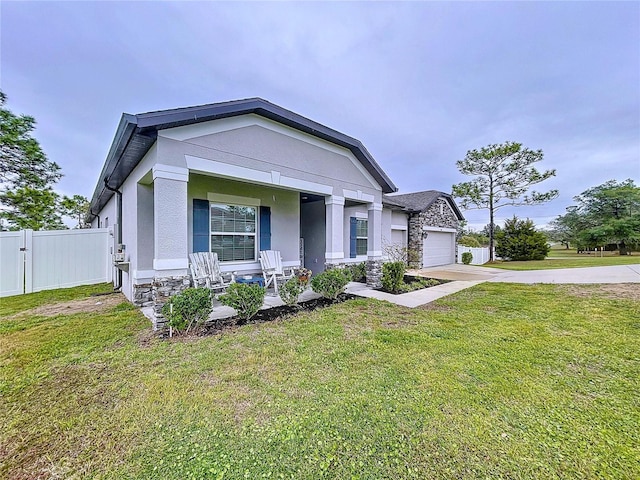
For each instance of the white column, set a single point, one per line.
(170, 219)
(374, 233)
(334, 228)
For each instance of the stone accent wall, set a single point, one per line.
(143, 295)
(162, 289)
(431, 218)
(374, 273)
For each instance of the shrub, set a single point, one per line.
(330, 283)
(291, 290)
(519, 240)
(358, 271)
(187, 309)
(244, 298)
(467, 258)
(469, 241)
(393, 276)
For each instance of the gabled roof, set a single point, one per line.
(421, 201)
(137, 133)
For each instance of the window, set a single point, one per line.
(233, 232)
(361, 236)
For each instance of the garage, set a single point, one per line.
(439, 248)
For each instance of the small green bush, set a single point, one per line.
(245, 299)
(330, 283)
(393, 276)
(291, 290)
(467, 257)
(358, 271)
(188, 309)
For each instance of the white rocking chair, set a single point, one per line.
(205, 270)
(272, 269)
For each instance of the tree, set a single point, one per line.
(32, 208)
(504, 173)
(566, 228)
(77, 208)
(22, 161)
(519, 240)
(610, 213)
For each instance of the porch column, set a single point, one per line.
(374, 245)
(170, 260)
(334, 229)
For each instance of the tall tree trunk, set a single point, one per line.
(622, 248)
(491, 227)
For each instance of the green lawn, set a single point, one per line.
(562, 258)
(498, 381)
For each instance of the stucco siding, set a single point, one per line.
(263, 145)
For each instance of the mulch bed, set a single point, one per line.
(274, 313)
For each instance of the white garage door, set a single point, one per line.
(439, 249)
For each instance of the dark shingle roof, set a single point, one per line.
(421, 201)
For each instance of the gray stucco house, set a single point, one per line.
(239, 177)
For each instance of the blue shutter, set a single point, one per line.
(200, 225)
(265, 228)
(352, 237)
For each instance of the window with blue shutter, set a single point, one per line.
(265, 228)
(200, 225)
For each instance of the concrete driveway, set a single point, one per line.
(615, 274)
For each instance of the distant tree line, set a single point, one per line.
(605, 215)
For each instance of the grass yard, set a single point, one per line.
(498, 381)
(563, 258)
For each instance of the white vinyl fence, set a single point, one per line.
(480, 254)
(33, 261)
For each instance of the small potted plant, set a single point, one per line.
(304, 275)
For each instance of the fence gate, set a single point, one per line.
(33, 261)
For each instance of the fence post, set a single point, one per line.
(27, 244)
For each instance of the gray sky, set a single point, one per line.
(419, 83)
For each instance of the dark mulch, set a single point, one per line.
(274, 313)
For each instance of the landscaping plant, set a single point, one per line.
(245, 299)
(519, 240)
(393, 276)
(291, 290)
(467, 258)
(330, 283)
(188, 309)
(358, 272)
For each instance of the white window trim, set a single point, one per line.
(255, 234)
(361, 238)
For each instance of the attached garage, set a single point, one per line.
(439, 248)
(432, 223)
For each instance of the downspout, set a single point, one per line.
(118, 193)
(95, 215)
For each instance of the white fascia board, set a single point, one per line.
(439, 229)
(358, 195)
(170, 172)
(272, 178)
(226, 124)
